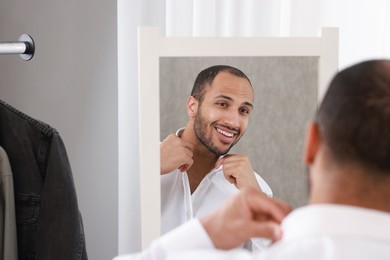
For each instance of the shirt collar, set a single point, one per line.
(180, 131)
(336, 220)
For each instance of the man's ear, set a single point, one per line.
(312, 143)
(192, 106)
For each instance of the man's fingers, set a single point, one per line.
(188, 160)
(285, 207)
(188, 152)
(261, 205)
(231, 179)
(248, 214)
(185, 167)
(267, 229)
(187, 145)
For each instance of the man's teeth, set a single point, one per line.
(225, 133)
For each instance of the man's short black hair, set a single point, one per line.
(354, 117)
(206, 77)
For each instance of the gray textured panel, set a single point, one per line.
(285, 101)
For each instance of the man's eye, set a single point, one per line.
(244, 111)
(222, 104)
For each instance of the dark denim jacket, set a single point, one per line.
(49, 224)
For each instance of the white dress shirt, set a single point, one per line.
(178, 205)
(321, 232)
(337, 232)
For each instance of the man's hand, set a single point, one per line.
(238, 170)
(175, 153)
(248, 214)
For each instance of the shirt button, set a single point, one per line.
(189, 214)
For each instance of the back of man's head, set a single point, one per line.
(354, 117)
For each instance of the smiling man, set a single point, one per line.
(197, 173)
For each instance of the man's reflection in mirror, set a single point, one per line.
(197, 171)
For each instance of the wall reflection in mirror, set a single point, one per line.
(286, 90)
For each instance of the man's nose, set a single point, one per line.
(232, 118)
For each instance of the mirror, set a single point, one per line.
(289, 76)
(286, 90)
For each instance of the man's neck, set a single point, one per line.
(350, 186)
(200, 168)
(204, 160)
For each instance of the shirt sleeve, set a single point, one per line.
(234, 254)
(187, 237)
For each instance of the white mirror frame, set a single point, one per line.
(151, 46)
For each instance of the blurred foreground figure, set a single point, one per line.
(348, 217)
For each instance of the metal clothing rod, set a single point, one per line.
(25, 47)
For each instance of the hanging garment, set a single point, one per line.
(8, 242)
(49, 224)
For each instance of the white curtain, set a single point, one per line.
(224, 18)
(364, 25)
(364, 33)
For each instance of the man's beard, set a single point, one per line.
(201, 126)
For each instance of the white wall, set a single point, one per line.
(71, 84)
(364, 25)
